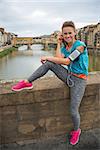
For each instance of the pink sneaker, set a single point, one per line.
(22, 85)
(75, 136)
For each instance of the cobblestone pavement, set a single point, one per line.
(89, 140)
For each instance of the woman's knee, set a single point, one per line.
(49, 64)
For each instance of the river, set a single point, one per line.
(22, 63)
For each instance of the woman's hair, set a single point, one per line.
(68, 24)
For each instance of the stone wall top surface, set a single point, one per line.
(48, 83)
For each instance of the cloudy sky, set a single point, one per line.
(39, 17)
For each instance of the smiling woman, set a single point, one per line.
(72, 69)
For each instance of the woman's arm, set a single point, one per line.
(60, 59)
(59, 43)
(57, 60)
(58, 52)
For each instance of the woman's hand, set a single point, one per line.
(59, 38)
(43, 59)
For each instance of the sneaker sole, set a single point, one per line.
(26, 88)
(76, 141)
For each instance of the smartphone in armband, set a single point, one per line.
(74, 55)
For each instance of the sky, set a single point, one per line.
(31, 18)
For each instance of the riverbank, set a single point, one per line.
(6, 50)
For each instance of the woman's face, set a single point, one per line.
(69, 34)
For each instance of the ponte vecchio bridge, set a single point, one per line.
(35, 40)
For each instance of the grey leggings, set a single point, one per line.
(76, 92)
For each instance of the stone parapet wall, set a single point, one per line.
(44, 111)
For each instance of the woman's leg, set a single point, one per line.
(59, 71)
(76, 94)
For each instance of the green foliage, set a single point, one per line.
(7, 51)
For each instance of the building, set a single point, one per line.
(24, 40)
(6, 38)
(1, 36)
(90, 35)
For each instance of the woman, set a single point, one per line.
(71, 66)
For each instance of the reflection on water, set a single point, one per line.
(21, 64)
(22, 48)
